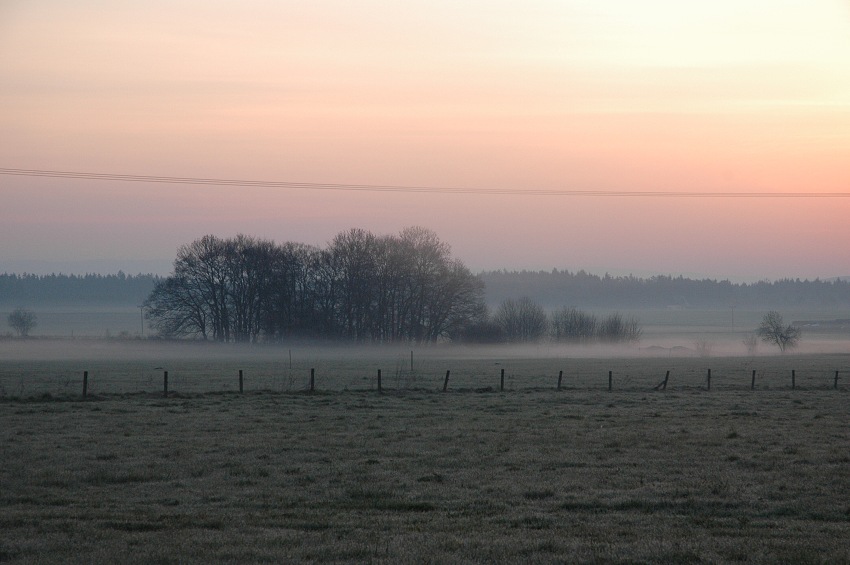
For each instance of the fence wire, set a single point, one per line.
(26, 380)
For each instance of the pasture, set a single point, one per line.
(345, 474)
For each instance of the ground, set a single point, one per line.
(414, 475)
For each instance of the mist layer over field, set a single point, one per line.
(678, 330)
(699, 344)
(57, 367)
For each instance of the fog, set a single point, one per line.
(120, 333)
(159, 353)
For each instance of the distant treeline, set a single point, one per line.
(39, 290)
(554, 289)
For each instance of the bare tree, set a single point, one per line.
(522, 320)
(480, 327)
(615, 328)
(457, 297)
(178, 307)
(773, 330)
(293, 307)
(362, 287)
(751, 342)
(221, 289)
(573, 325)
(353, 255)
(703, 347)
(429, 263)
(22, 320)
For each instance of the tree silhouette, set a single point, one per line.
(364, 288)
(522, 320)
(773, 330)
(22, 321)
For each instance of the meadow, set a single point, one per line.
(346, 474)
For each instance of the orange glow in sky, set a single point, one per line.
(728, 96)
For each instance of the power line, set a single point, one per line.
(410, 189)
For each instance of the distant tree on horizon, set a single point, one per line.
(773, 330)
(522, 320)
(573, 325)
(751, 343)
(614, 328)
(22, 320)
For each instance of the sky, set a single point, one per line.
(730, 96)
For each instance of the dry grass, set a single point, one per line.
(414, 475)
(55, 367)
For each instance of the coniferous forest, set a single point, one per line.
(30, 290)
(557, 288)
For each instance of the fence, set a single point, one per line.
(637, 375)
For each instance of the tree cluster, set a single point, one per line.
(525, 321)
(362, 287)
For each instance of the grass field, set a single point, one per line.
(36, 367)
(84, 321)
(414, 475)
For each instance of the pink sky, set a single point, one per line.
(730, 96)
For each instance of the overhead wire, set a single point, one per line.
(157, 179)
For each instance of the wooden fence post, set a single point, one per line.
(610, 380)
(753, 384)
(663, 384)
(793, 379)
(708, 380)
(85, 383)
(241, 389)
(446, 382)
(560, 376)
(502, 382)
(379, 380)
(835, 384)
(165, 383)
